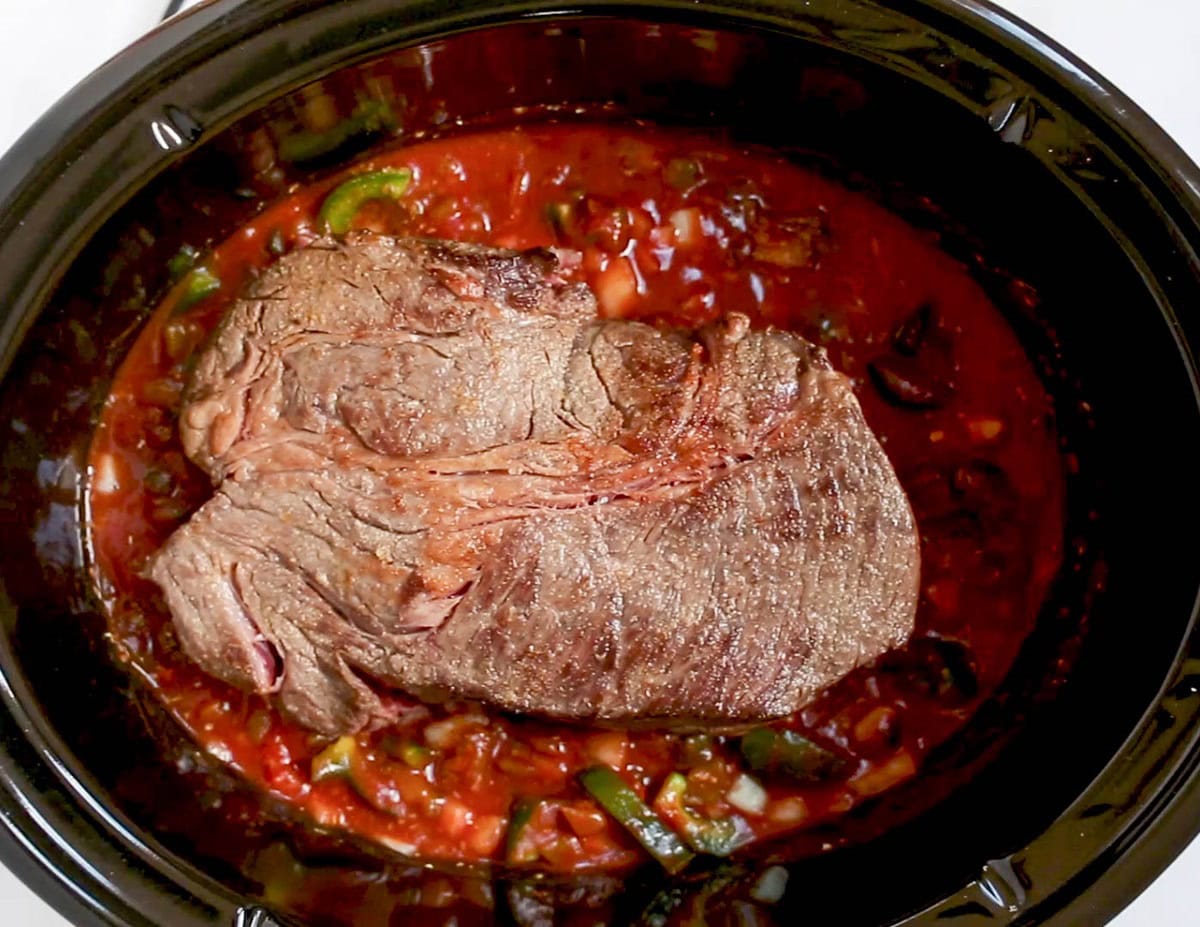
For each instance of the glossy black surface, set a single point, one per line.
(973, 125)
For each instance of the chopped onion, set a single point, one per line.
(770, 885)
(441, 734)
(608, 748)
(791, 810)
(616, 288)
(747, 795)
(688, 230)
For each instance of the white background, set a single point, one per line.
(1149, 48)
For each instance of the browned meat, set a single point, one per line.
(394, 347)
(437, 471)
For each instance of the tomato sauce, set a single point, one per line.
(676, 228)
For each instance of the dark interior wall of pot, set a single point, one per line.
(997, 167)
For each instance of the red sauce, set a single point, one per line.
(677, 228)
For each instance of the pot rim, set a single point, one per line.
(40, 845)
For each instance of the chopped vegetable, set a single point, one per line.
(793, 252)
(486, 834)
(697, 749)
(616, 288)
(180, 337)
(369, 117)
(718, 837)
(770, 886)
(624, 804)
(276, 243)
(881, 777)
(563, 217)
(832, 327)
(415, 755)
(682, 173)
(335, 760)
(984, 429)
(791, 243)
(411, 753)
(518, 847)
(688, 226)
(747, 795)
(693, 899)
(443, 734)
(198, 285)
(383, 789)
(584, 818)
(259, 725)
(767, 750)
(789, 811)
(662, 906)
(342, 205)
(612, 230)
(156, 479)
(183, 261)
(85, 345)
(608, 748)
(877, 728)
(163, 392)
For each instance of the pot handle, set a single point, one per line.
(254, 916)
(178, 6)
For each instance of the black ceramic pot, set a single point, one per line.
(1063, 799)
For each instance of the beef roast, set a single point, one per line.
(437, 471)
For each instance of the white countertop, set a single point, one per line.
(1149, 48)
